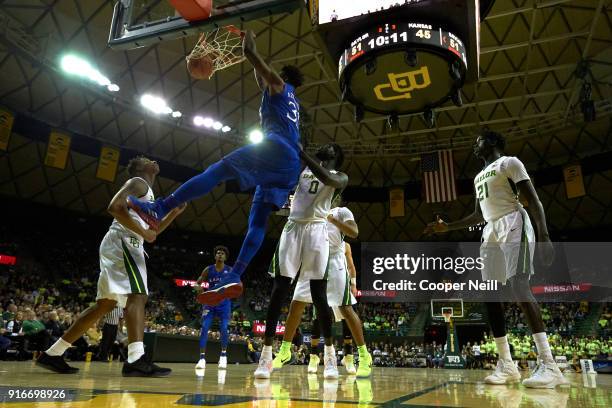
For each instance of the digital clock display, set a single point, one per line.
(398, 34)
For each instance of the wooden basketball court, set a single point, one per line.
(101, 385)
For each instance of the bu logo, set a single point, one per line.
(134, 242)
(402, 84)
(453, 359)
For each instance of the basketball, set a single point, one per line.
(200, 68)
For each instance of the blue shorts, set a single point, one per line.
(271, 167)
(222, 311)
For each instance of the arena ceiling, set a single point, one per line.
(527, 89)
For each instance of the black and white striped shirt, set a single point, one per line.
(113, 316)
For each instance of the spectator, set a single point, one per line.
(37, 337)
(53, 327)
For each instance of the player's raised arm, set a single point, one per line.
(337, 180)
(439, 226)
(118, 208)
(264, 74)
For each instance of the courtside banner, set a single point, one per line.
(491, 272)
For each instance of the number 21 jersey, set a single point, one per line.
(496, 189)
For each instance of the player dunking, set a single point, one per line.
(123, 276)
(508, 243)
(340, 222)
(304, 248)
(273, 166)
(213, 274)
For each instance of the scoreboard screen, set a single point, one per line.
(334, 10)
(394, 34)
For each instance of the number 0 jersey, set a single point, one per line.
(312, 199)
(496, 189)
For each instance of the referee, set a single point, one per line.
(109, 332)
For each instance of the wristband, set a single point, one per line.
(354, 281)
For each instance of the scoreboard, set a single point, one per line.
(400, 35)
(402, 67)
(403, 56)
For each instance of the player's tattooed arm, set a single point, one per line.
(440, 226)
(337, 180)
(263, 71)
(175, 212)
(348, 228)
(118, 208)
(545, 247)
(203, 278)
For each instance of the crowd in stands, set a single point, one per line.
(34, 313)
(51, 284)
(483, 355)
(604, 322)
(386, 318)
(558, 317)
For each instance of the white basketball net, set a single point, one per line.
(223, 46)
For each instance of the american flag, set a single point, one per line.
(438, 176)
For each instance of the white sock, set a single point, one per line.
(58, 348)
(266, 352)
(503, 348)
(135, 351)
(329, 350)
(544, 352)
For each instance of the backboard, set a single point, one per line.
(439, 306)
(140, 23)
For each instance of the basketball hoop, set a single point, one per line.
(447, 313)
(221, 47)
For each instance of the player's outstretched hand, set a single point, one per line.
(436, 227)
(149, 236)
(546, 251)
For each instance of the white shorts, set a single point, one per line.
(122, 267)
(507, 248)
(338, 284)
(303, 248)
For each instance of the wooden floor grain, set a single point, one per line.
(101, 385)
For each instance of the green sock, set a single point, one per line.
(286, 345)
(363, 350)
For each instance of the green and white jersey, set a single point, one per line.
(336, 237)
(312, 199)
(496, 189)
(116, 226)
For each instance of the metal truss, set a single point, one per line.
(527, 89)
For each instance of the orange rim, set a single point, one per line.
(235, 30)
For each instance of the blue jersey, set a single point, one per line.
(214, 277)
(280, 117)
